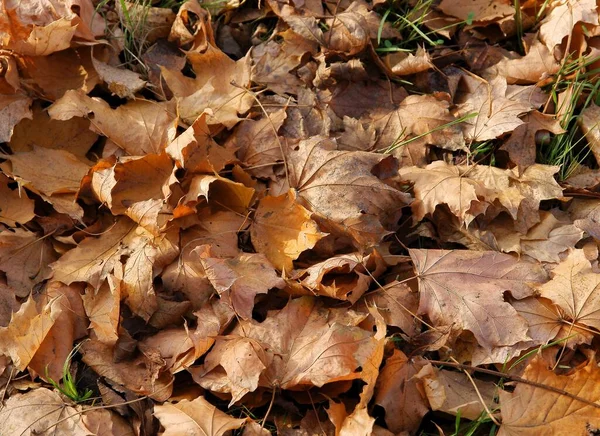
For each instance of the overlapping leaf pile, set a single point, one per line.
(272, 217)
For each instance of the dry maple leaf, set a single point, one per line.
(282, 229)
(195, 418)
(139, 127)
(144, 375)
(240, 279)
(339, 186)
(197, 152)
(531, 410)
(15, 205)
(497, 110)
(575, 288)
(26, 331)
(95, 258)
(69, 325)
(301, 346)
(40, 412)
(25, 258)
(344, 277)
(454, 393)
(102, 307)
(258, 146)
(399, 394)
(466, 288)
(217, 89)
(563, 18)
(13, 109)
(589, 120)
(72, 135)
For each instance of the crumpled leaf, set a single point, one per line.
(138, 127)
(240, 279)
(13, 108)
(15, 205)
(300, 346)
(144, 375)
(563, 17)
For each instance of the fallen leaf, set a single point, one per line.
(13, 108)
(138, 127)
(25, 259)
(339, 187)
(574, 288)
(196, 417)
(399, 394)
(26, 331)
(589, 120)
(466, 288)
(15, 205)
(40, 412)
(240, 279)
(282, 229)
(562, 19)
(531, 410)
(142, 375)
(46, 171)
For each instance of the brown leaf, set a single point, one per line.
(13, 108)
(273, 61)
(120, 81)
(344, 277)
(397, 303)
(143, 375)
(212, 90)
(574, 287)
(454, 393)
(102, 308)
(129, 186)
(538, 64)
(53, 75)
(497, 110)
(94, 259)
(73, 136)
(138, 127)
(466, 288)
(15, 205)
(195, 418)
(40, 412)
(26, 331)
(399, 394)
(70, 324)
(339, 187)
(258, 146)
(589, 120)
(562, 19)
(282, 229)
(477, 10)
(531, 410)
(221, 193)
(46, 171)
(148, 255)
(25, 258)
(197, 152)
(521, 144)
(301, 348)
(404, 64)
(240, 279)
